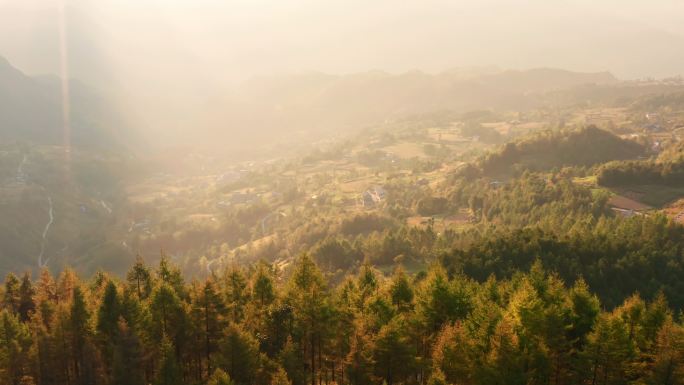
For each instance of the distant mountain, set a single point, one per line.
(544, 80)
(315, 101)
(31, 110)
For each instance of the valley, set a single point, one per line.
(342, 192)
(205, 211)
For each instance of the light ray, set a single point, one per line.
(64, 67)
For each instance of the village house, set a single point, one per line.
(373, 196)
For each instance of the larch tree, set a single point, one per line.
(209, 311)
(27, 306)
(139, 279)
(11, 296)
(79, 333)
(393, 356)
(169, 372)
(239, 355)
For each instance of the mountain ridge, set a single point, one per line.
(31, 110)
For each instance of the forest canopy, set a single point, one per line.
(255, 326)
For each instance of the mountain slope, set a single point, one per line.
(546, 150)
(31, 110)
(320, 102)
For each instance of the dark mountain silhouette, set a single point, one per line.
(31, 110)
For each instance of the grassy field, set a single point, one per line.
(441, 222)
(653, 195)
(589, 181)
(626, 203)
(407, 150)
(657, 196)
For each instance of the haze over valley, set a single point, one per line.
(299, 192)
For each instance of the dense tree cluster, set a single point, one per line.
(256, 326)
(546, 150)
(667, 169)
(618, 174)
(531, 199)
(484, 133)
(616, 257)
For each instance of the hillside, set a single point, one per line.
(543, 151)
(31, 110)
(60, 211)
(318, 102)
(667, 169)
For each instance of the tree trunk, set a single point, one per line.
(206, 331)
(313, 361)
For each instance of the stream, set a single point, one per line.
(42, 264)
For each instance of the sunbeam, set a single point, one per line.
(64, 74)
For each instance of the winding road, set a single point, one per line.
(42, 264)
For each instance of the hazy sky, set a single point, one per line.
(233, 39)
(162, 53)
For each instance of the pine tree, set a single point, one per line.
(666, 363)
(139, 279)
(292, 362)
(108, 314)
(66, 284)
(27, 306)
(401, 291)
(277, 328)
(236, 293)
(127, 357)
(15, 344)
(262, 286)
(46, 298)
(453, 354)
(525, 314)
(504, 364)
(608, 351)
(368, 284)
(585, 310)
(11, 297)
(360, 364)
(170, 275)
(632, 314)
(107, 326)
(79, 332)
(655, 316)
(167, 313)
(308, 294)
(210, 311)
(169, 372)
(239, 355)
(393, 355)
(440, 301)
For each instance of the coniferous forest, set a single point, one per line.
(255, 326)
